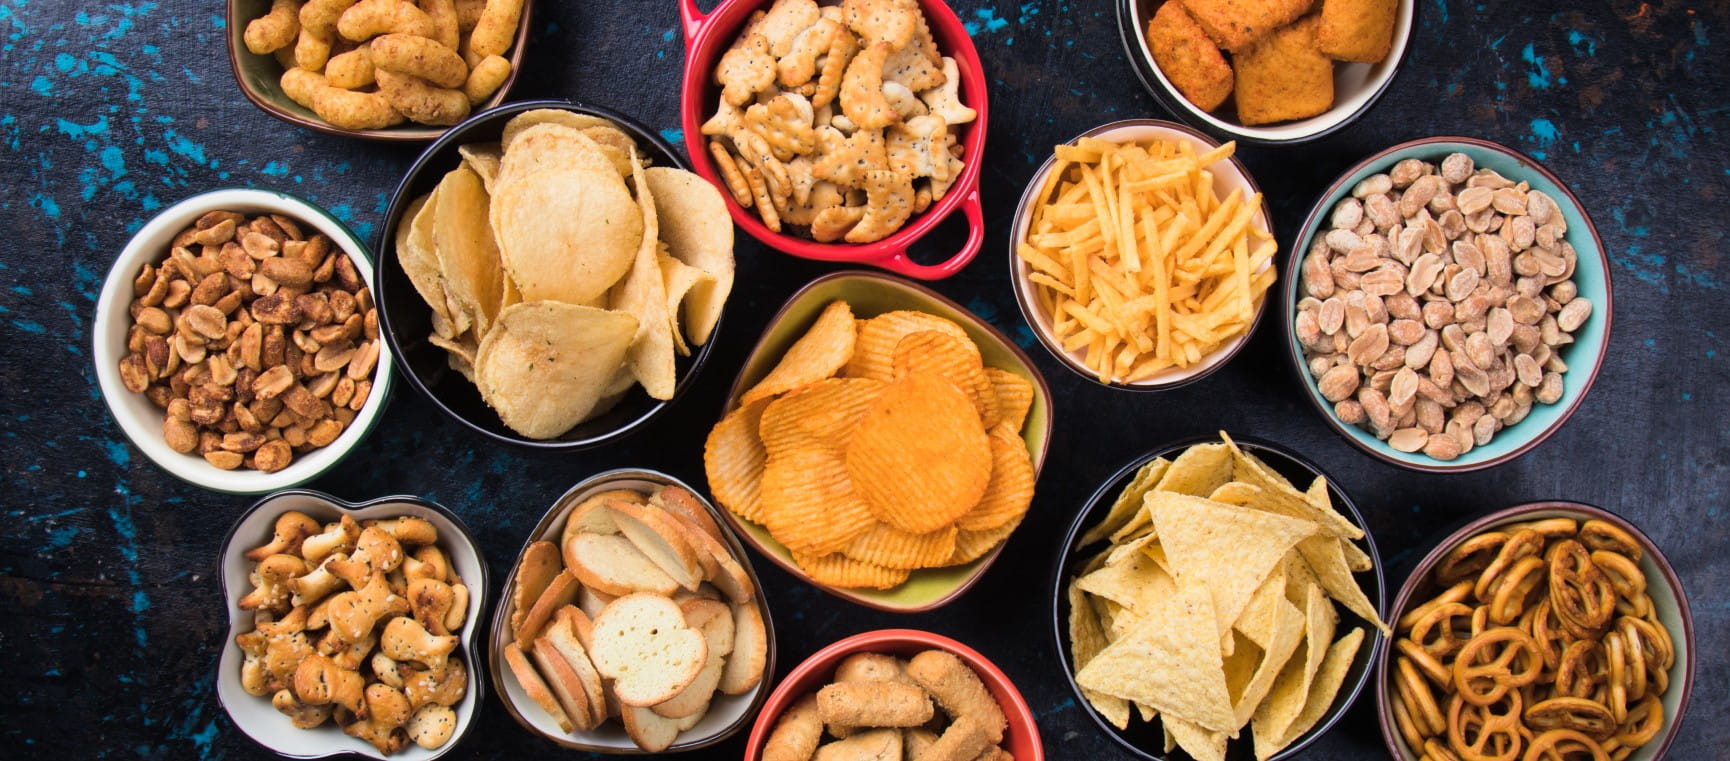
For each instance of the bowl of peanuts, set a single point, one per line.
(1447, 305)
(392, 70)
(236, 341)
(1547, 630)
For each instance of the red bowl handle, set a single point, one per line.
(898, 262)
(691, 20)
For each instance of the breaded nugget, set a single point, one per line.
(870, 667)
(914, 741)
(796, 733)
(1284, 77)
(1356, 30)
(1237, 24)
(962, 741)
(955, 687)
(1188, 57)
(874, 704)
(875, 745)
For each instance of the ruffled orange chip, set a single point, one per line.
(808, 503)
(1014, 396)
(888, 546)
(1010, 490)
(920, 457)
(819, 354)
(733, 458)
(874, 352)
(956, 359)
(838, 570)
(973, 545)
(825, 413)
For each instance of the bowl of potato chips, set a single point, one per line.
(880, 442)
(1274, 73)
(1141, 253)
(1218, 596)
(551, 275)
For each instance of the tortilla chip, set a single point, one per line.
(1326, 685)
(1286, 499)
(1328, 561)
(1170, 662)
(1128, 504)
(1086, 639)
(1224, 548)
(1198, 471)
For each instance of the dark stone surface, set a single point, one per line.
(111, 622)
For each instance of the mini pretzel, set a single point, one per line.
(1579, 714)
(1471, 557)
(1550, 528)
(1624, 574)
(1581, 594)
(1434, 750)
(1508, 598)
(1420, 700)
(1581, 669)
(1563, 745)
(1478, 734)
(1459, 592)
(1405, 723)
(1642, 724)
(1515, 664)
(1603, 535)
(1421, 659)
(1519, 545)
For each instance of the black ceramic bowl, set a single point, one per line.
(1146, 739)
(406, 321)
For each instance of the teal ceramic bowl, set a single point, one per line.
(1592, 276)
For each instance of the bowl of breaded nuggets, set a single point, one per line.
(1266, 71)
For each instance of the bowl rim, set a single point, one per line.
(1216, 359)
(408, 131)
(1495, 518)
(705, 37)
(1133, 37)
(1106, 492)
(543, 529)
(1042, 389)
(475, 686)
(106, 355)
(399, 202)
(1293, 273)
(826, 657)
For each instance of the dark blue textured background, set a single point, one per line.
(110, 620)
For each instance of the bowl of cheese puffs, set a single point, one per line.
(1266, 71)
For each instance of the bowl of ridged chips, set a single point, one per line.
(881, 442)
(551, 274)
(1218, 599)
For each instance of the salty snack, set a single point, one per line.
(1542, 642)
(258, 340)
(1283, 52)
(376, 63)
(840, 121)
(562, 271)
(876, 448)
(1210, 607)
(635, 609)
(1438, 303)
(930, 708)
(1140, 265)
(357, 622)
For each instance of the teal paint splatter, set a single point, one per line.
(987, 21)
(29, 327)
(675, 136)
(118, 453)
(42, 86)
(1578, 40)
(1539, 78)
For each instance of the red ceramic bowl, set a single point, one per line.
(1021, 739)
(707, 37)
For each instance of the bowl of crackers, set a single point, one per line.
(551, 275)
(839, 133)
(1544, 630)
(1449, 305)
(1272, 73)
(880, 442)
(376, 69)
(236, 341)
(1134, 270)
(895, 693)
(632, 621)
(353, 628)
(1219, 598)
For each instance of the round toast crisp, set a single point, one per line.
(642, 643)
(536, 687)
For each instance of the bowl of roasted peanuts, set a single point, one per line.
(1547, 630)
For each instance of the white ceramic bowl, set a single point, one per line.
(254, 715)
(728, 714)
(1228, 176)
(141, 420)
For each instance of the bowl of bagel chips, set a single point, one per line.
(1207, 604)
(553, 273)
(881, 442)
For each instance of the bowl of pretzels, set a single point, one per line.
(1548, 630)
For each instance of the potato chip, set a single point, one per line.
(1014, 396)
(679, 279)
(463, 348)
(1010, 490)
(874, 354)
(973, 545)
(733, 459)
(821, 352)
(698, 232)
(808, 503)
(554, 148)
(1225, 549)
(559, 116)
(1200, 743)
(1328, 680)
(482, 159)
(414, 252)
(566, 235)
(1128, 504)
(644, 294)
(920, 457)
(463, 244)
(543, 365)
(826, 412)
(838, 570)
(616, 145)
(891, 547)
(957, 360)
(1171, 662)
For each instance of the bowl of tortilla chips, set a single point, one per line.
(1218, 598)
(550, 274)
